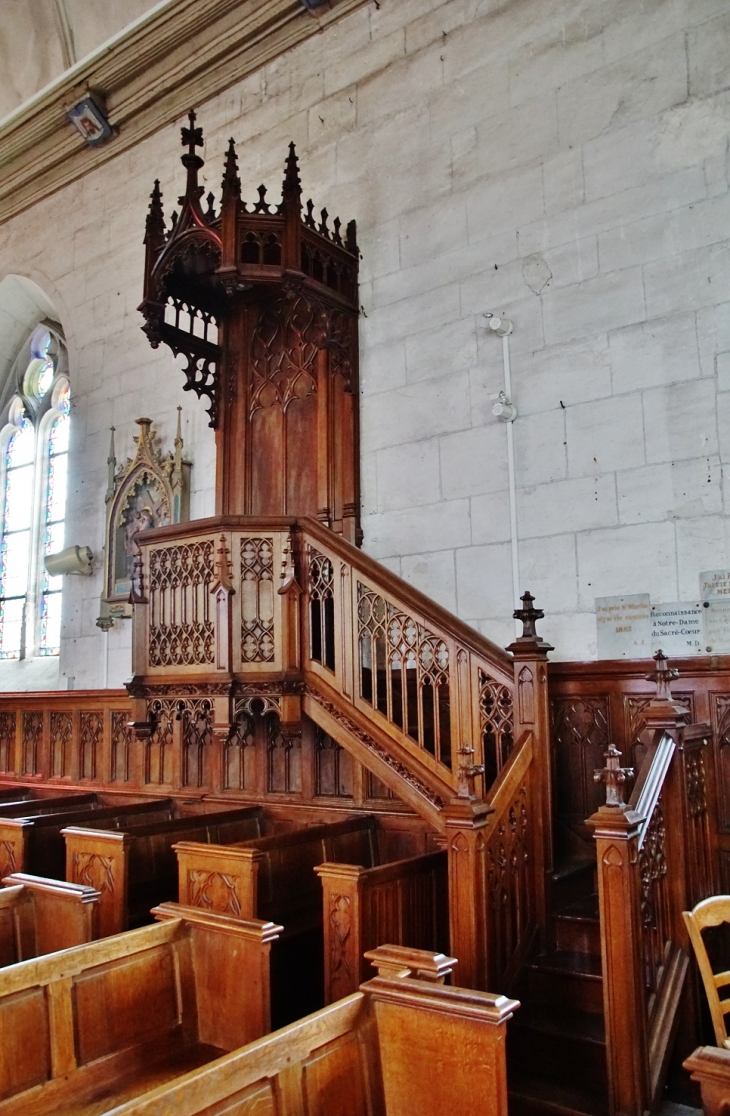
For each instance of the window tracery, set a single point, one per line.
(33, 475)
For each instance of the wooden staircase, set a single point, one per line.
(557, 1040)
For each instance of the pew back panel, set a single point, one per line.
(359, 1057)
(82, 1021)
(34, 844)
(47, 915)
(135, 868)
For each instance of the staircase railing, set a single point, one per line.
(656, 858)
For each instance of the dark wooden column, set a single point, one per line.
(532, 712)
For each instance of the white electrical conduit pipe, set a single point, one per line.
(506, 412)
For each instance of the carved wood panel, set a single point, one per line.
(284, 759)
(580, 732)
(404, 673)
(121, 743)
(239, 758)
(32, 730)
(508, 885)
(180, 622)
(197, 738)
(7, 741)
(721, 724)
(634, 705)
(332, 767)
(214, 891)
(91, 735)
(60, 743)
(257, 600)
(496, 715)
(160, 745)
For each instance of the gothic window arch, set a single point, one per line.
(33, 470)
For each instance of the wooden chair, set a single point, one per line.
(711, 912)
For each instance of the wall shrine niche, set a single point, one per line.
(151, 489)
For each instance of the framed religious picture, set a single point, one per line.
(151, 489)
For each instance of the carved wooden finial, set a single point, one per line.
(192, 137)
(467, 772)
(155, 223)
(231, 184)
(613, 776)
(351, 239)
(528, 615)
(291, 191)
(662, 675)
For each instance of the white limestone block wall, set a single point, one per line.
(564, 162)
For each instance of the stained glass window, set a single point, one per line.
(54, 515)
(16, 537)
(33, 468)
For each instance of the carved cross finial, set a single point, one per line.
(528, 615)
(155, 224)
(614, 776)
(292, 188)
(662, 675)
(467, 772)
(231, 183)
(192, 136)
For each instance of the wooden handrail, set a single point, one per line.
(650, 782)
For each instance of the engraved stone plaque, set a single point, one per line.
(717, 627)
(623, 625)
(677, 629)
(715, 585)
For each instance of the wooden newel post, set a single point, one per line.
(532, 711)
(616, 831)
(466, 824)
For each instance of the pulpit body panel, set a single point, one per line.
(262, 302)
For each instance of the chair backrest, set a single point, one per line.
(711, 912)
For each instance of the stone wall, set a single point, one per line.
(564, 162)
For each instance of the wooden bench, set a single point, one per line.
(89, 1028)
(135, 868)
(405, 902)
(40, 916)
(274, 878)
(53, 804)
(34, 844)
(398, 1046)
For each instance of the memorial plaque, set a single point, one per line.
(623, 625)
(717, 627)
(677, 629)
(715, 585)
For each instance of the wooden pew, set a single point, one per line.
(405, 902)
(40, 916)
(34, 844)
(274, 878)
(89, 1028)
(135, 867)
(398, 1046)
(710, 1067)
(53, 804)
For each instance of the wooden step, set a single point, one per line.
(573, 979)
(554, 1043)
(578, 928)
(573, 879)
(534, 1097)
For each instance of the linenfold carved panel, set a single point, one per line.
(257, 600)
(180, 626)
(404, 672)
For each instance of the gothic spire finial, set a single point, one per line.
(613, 776)
(155, 224)
(192, 136)
(231, 183)
(291, 191)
